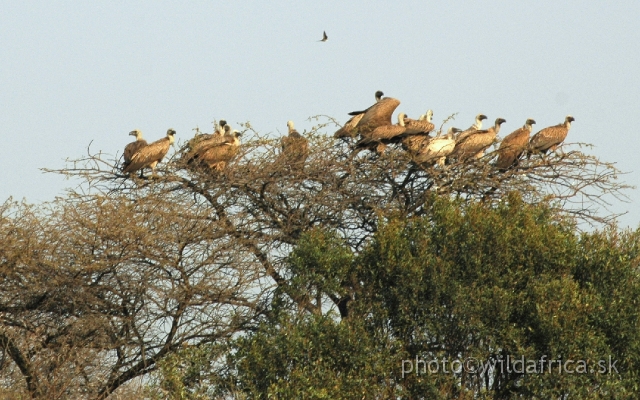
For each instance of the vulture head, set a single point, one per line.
(569, 118)
(452, 131)
(481, 117)
(529, 122)
(379, 95)
(136, 132)
(401, 118)
(500, 121)
(429, 115)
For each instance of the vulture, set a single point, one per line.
(349, 128)
(422, 125)
(150, 155)
(132, 148)
(476, 142)
(475, 127)
(382, 134)
(377, 115)
(513, 145)
(413, 143)
(437, 149)
(220, 150)
(549, 138)
(220, 127)
(295, 147)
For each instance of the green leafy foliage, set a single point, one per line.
(504, 286)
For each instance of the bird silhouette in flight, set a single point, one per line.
(324, 37)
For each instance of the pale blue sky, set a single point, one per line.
(72, 72)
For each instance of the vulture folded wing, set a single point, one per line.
(548, 138)
(349, 128)
(418, 126)
(131, 149)
(512, 147)
(153, 153)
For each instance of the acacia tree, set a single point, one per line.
(124, 271)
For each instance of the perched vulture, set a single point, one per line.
(349, 128)
(421, 125)
(220, 127)
(377, 115)
(413, 143)
(437, 149)
(220, 150)
(381, 135)
(295, 147)
(513, 145)
(475, 127)
(132, 148)
(150, 155)
(549, 138)
(474, 144)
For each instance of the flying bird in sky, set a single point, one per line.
(324, 37)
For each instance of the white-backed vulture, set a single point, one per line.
(438, 148)
(475, 127)
(221, 151)
(132, 148)
(549, 138)
(474, 144)
(422, 126)
(150, 155)
(513, 145)
(220, 127)
(295, 147)
(349, 128)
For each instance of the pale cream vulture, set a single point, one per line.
(132, 148)
(150, 155)
(437, 149)
(295, 147)
(513, 145)
(474, 144)
(349, 128)
(549, 138)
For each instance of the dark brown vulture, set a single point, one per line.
(474, 144)
(383, 134)
(349, 128)
(295, 147)
(377, 115)
(132, 148)
(421, 126)
(549, 138)
(513, 145)
(150, 155)
(220, 150)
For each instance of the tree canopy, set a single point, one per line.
(261, 280)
